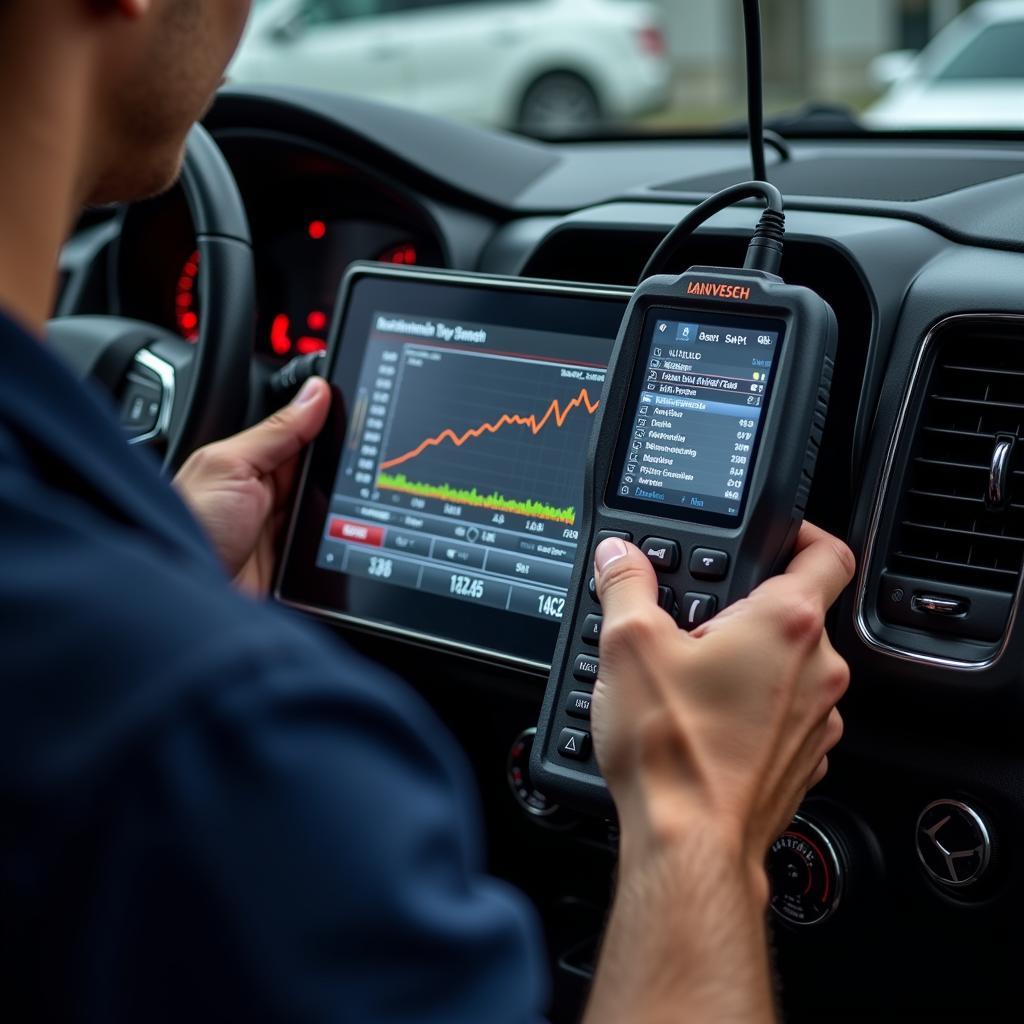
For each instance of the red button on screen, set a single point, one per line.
(356, 533)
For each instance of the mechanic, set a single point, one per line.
(211, 811)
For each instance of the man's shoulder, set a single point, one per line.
(261, 819)
(109, 635)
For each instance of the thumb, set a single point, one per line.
(626, 582)
(280, 437)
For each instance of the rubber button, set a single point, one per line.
(663, 554)
(592, 629)
(574, 743)
(578, 704)
(697, 609)
(585, 669)
(708, 564)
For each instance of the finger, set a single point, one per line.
(823, 681)
(627, 588)
(821, 568)
(799, 790)
(625, 578)
(822, 563)
(815, 756)
(281, 437)
(834, 728)
(797, 797)
(800, 752)
(285, 478)
(823, 739)
(806, 536)
(819, 773)
(822, 559)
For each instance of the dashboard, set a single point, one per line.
(922, 268)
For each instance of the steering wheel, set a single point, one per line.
(173, 395)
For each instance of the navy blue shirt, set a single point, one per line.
(208, 810)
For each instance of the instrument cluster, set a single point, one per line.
(311, 216)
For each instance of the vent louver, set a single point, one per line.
(957, 547)
(948, 528)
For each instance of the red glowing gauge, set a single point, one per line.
(308, 345)
(282, 343)
(404, 254)
(186, 300)
(279, 340)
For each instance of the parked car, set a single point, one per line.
(547, 67)
(971, 75)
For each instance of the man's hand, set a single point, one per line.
(708, 741)
(730, 723)
(239, 489)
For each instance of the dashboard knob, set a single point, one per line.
(517, 771)
(954, 843)
(807, 868)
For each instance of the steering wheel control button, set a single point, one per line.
(708, 564)
(592, 629)
(578, 704)
(954, 844)
(574, 744)
(140, 406)
(592, 589)
(697, 609)
(667, 600)
(585, 668)
(663, 554)
(806, 874)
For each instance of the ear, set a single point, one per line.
(133, 9)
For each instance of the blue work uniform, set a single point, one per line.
(208, 809)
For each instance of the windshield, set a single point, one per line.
(571, 68)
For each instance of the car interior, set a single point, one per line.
(895, 892)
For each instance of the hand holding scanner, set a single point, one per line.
(703, 455)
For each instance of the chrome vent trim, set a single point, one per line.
(887, 486)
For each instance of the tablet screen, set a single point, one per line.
(446, 504)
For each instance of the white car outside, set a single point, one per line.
(971, 75)
(547, 66)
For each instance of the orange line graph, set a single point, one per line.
(553, 411)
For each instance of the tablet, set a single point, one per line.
(441, 502)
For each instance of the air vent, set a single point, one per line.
(957, 546)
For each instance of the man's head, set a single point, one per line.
(163, 60)
(148, 68)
